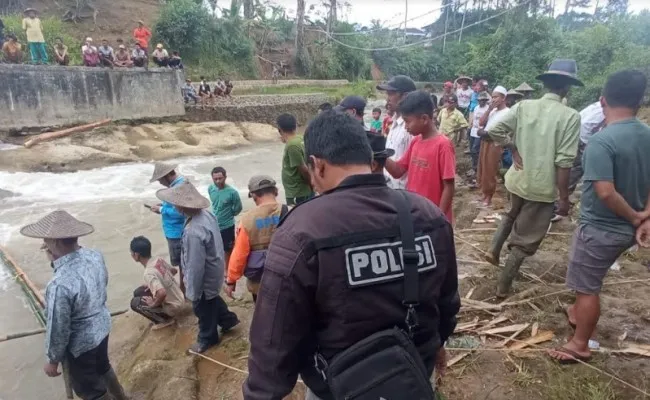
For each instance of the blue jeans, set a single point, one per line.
(38, 52)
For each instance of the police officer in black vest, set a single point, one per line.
(336, 276)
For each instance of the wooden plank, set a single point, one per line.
(513, 336)
(495, 322)
(541, 337)
(504, 329)
(457, 358)
(480, 305)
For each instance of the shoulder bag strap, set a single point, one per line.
(409, 259)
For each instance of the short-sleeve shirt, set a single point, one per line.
(618, 154)
(464, 97)
(478, 113)
(451, 121)
(428, 163)
(293, 158)
(33, 30)
(157, 275)
(375, 126)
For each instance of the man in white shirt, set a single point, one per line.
(160, 56)
(490, 154)
(464, 94)
(398, 138)
(474, 138)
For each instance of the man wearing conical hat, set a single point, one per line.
(78, 322)
(202, 262)
(172, 220)
(543, 137)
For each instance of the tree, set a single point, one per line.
(302, 57)
(249, 9)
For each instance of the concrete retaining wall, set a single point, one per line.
(258, 108)
(37, 96)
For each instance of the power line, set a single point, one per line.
(425, 40)
(391, 25)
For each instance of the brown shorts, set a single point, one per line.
(593, 251)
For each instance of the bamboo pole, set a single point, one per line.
(66, 132)
(19, 335)
(32, 292)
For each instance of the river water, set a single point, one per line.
(111, 199)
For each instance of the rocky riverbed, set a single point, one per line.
(123, 143)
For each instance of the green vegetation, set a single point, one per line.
(52, 28)
(209, 46)
(337, 93)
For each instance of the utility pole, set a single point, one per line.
(406, 12)
(462, 24)
(444, 38)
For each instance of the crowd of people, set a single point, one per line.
(347, 239)
(222, 89)
(126, 56)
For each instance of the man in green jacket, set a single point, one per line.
(543, 136)
(226, 205)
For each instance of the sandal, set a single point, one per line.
(576, 358)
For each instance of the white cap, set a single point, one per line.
(89, 39)
(500, 90)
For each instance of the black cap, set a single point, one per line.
(398, 83)
(378, 145)
(356, 103)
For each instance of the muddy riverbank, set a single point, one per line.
(142, 143)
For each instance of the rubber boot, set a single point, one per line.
(498, 240)
(115, 389)
(510, 271)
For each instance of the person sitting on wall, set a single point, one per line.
(204, 89)
(139, 56)
(106, 54)
(12, 51)
(229, 87)
(219, 88)
(61, 52)
(122, 57)
(175, 61)
(90, 54)
(160, 56)
(189, 93)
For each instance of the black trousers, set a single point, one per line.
(87, 370)
(155, 315)
(212, 314)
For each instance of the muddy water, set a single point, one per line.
(112, 200)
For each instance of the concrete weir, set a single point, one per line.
(45, 95)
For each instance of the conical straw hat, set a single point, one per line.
(513, 92)
(183, 195)
(160, 170)
(463, 78)
(57, 225)
(524, 87)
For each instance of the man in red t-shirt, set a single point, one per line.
(430, 161)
